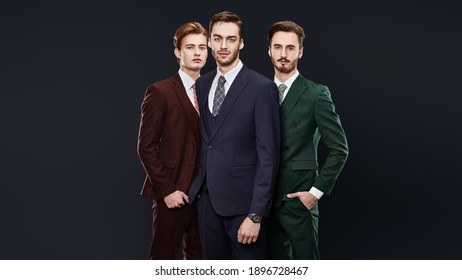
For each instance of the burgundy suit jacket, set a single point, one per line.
(169, 138)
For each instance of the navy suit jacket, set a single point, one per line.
(239, 156)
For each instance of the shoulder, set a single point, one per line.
(163, 85)
(257, 77)
(165, 82)
(206, 77)
(315, 89)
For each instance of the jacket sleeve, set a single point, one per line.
(153, 112)
(334, 138)
(268, 142)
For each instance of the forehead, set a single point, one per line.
(194, 39)
(225, 29)
(285, 38)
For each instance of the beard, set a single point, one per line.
(228, 61)
(286, 68)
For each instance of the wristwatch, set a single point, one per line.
(254, 217)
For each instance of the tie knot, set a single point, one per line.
(221, 80)
(282, 87)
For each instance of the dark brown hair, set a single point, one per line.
(227, 16)
(287, 26)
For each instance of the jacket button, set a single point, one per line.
(210, 146)
(191, 162)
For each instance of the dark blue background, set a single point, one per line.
(73, 75)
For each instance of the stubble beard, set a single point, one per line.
(224, 63)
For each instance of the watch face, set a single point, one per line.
(255, 218)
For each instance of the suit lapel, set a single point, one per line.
(293, 96)
(203, 97)
(191, 115)
(233, 93)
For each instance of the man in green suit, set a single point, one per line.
(307, 115)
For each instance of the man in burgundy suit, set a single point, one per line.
(168, 147)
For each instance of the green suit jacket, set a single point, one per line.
(308, 115)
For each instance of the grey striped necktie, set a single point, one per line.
(219, 96)
(281, 89)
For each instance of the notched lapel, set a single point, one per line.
(188, 109)
(233, 93)
(203, 97)
(295, 91)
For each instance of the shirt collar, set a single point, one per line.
(289, 81)
(231, 74)
(187, 80)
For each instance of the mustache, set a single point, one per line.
(283, 60)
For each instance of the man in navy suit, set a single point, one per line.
(240, 149)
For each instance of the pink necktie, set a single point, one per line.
(196, 104)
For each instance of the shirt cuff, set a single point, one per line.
(317, 193)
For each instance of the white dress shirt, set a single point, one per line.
(230, 76)
(188, 82)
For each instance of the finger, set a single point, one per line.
(292, 195)
(185, 198)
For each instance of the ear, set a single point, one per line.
(209, 43)
(177, 53)
(269, 51)
(300, 53)
(241, 44)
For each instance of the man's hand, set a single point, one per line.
(248, 232)
(305, 197)
(176, 199)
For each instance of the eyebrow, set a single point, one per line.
(192, 45)
(279, 45)
(220, 36)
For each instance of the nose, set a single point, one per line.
(223, 45)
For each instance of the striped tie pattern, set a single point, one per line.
(281, 89)
(196, 104)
